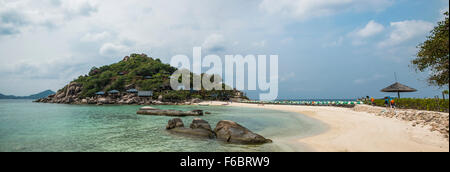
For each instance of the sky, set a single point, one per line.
(326, 48)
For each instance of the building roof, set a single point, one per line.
(100, 93)
(132, 90)
(113, 92)
(397, 87)
(145, 93)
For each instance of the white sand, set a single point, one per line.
(351, 131)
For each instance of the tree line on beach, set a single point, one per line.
(433, 58)
(433, 55)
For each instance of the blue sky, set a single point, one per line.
(326, 48)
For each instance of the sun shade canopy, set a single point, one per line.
(397, 87)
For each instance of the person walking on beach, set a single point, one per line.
(392, 103)
(373, 101)
(386, 101)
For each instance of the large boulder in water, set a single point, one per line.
(147, 108)
(199, 129)
(160, 112)
(174, 123)
(200, 123)
(202, 133)
(232, 132)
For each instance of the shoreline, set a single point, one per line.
(353, 131)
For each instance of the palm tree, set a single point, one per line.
(445, 92)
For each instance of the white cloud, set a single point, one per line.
(442, 11)
(406, 30)
(102, 32)
(287, 40)
(260, 44)
(79, 34)
(334, 43)
(79, 7)
(305, 9)
(17, 16)
(360, 36)
(214, 43)
(374, 77)
(287, 77)
(372, 28)
(111, 49)
(94, 37)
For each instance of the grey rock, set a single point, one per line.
(233, 132)
(200, 123)
(199, 129)
(174, 123)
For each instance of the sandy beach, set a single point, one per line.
(352, 131)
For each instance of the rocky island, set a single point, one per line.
(137, 79)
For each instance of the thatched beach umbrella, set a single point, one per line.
(397, 87)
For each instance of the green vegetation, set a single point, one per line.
(445, 92)
(434, 55)
(143, 73)
(439, 105)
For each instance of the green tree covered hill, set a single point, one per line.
(143, 73)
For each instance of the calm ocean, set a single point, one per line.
(27, 126)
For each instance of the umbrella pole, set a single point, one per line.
(398, 95)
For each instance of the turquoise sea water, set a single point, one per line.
(27, 126)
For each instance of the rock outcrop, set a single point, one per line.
(201, 124)
(70, 94)
(227, 131)
(175, 123)
(232, 132)
(201, 130)
(160, 112)
(147, 108)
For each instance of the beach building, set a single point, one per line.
(113, 92)
(145, 93)
(100, 94)
(132, 90)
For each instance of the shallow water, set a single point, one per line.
(27, 126)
